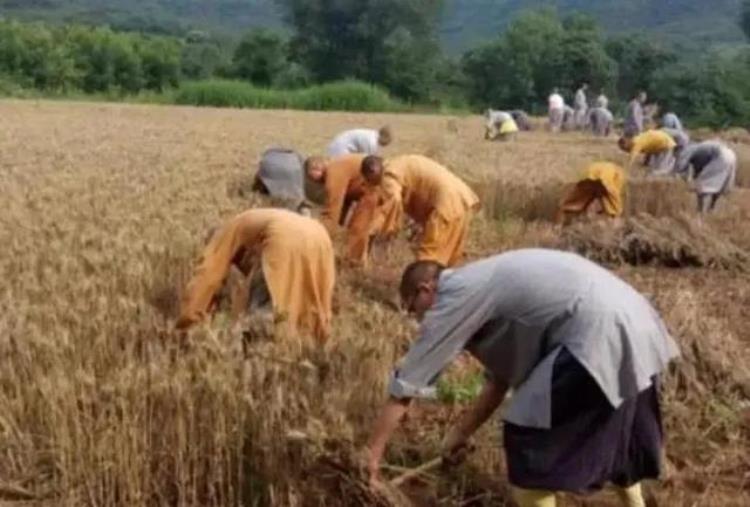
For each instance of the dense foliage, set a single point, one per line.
(393, 45)
(88, 59)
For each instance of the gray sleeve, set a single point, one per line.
(444, 333)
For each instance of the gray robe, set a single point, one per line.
(633, 119)
(581, 109)
(516, 311)
(600, 121)
(569, 119)
(671, 121)
(281, 173)
(714, 167)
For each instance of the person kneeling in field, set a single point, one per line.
(602, 183)
(581, 350)
(657, 145)
(280, 176)
(500, 125)
(714, 169)
(349, 202)
(297, 265)
(365, 141)
(437, 200)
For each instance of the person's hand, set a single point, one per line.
(455, 447)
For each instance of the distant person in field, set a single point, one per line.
(295, 277)
(581, 106)
(348, 201)
(602, 184)
(556, 111)
(522, 120)
(569, 119)
(437, 200)
(499, 125)
(280, 176)
(602, 101)
(671, 121)
(364, 141)
(657, 145)
(600, 121)
(634, 116)
(580, 350)
(712, 167)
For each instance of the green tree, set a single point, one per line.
(260, 57)
(638, 59)
(202, 56)
(745, 18)
(388, 42)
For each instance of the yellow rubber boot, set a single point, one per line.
(534, 498)
(632, 496)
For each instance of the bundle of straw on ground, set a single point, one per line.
(102, 403)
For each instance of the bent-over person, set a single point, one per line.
(348, 202)
(365, 141)
(600, 121)
(296, 260)
(499, 125)
(280, 176)
(603, 184)
(712, 167)
(581, 350)
(432, 196)
(658, 147)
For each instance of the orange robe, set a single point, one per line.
(435, 199)
(603, 182)
(296, 258)
(651, 142)
(345, 187)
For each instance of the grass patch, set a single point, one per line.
(338, 96)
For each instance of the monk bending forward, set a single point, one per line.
(349, 201)
(435, 198)
(297, 262)
(602, 183)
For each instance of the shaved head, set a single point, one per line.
(418, 278)
(372, 169)
(315, 168)
(385, 137)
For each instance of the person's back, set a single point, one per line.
(428, 185)
(600, 120)
(365, 141)
(672, 121)
(280, 174)
(556, 101)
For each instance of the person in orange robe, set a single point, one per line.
(349, 202)
(435, 198)
(297, 262)
(603, 183)
(657, 145)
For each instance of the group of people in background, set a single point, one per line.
(580, 349)
(663, 146)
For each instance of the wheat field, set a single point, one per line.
(104, 208)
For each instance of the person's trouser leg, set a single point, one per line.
(533, 497)
(632, 496)
(362, 226)
(704, 203)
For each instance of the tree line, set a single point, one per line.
(393, 44)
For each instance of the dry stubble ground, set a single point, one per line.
(103, 209)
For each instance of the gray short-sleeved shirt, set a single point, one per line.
(514, 312)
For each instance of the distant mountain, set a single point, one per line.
(690, 23)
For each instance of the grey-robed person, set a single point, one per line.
(581, 106)
(634, 117)
(600, 121)
(280, 175)
(712, 167)
(580, 349)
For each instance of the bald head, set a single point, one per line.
(372, 169)
(625, 143)
(385, 137)
(419, 286)
(315, 168)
